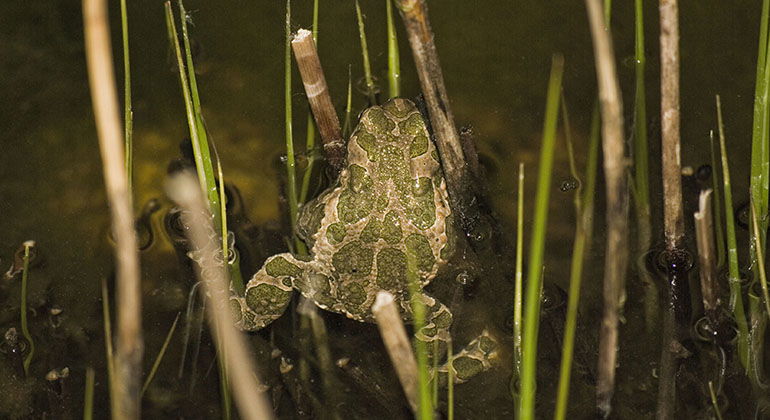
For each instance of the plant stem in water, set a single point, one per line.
(537, 244)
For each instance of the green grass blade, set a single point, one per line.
(571, 153)
(161, 353)
(88, 396)
(641, 155)
(714, 402)
(370, 89)
(755, 370)
(584, 216)
(394, 61)
(518, 284)
(425, 409)
(720, 234)
(348, 107)
(128, 113)
(107, 322)
(537, 244)
(760, 149)
(760, 260)
(450, 386)
(291, 166)
(24, 327)
(310, 136)
(640, 183)
(736, 300)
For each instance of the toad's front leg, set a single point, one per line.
(267, 293)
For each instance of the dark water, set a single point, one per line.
(495, 57)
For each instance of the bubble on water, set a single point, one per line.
(569, 184)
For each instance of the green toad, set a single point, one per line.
(388, 206)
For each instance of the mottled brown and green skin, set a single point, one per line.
(389, 203)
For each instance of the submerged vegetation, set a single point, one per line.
(682, 333)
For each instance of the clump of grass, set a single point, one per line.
(198, 135)
(203, 162)
(28, 245)
(537, 244)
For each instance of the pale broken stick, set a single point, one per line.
(320, 100)
(398, 345)
(252, 403)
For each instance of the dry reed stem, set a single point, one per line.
(399, 348)
(459, 169)
(252, 404)
(616, 255)
(673, 216)
(704, 231)
(320, 100)
(130, 347)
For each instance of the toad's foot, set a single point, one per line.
(478, 356)
(475, 358)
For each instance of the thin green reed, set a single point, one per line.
(641, 156)
(736, 299)
(348, 107)
(425, 409)
(310, 153)
(370, 89)
(450, 386)
(394, 61)
(640, 185)
(291, 167)
(159, 356)
(760, 261)
(760, 149)
(88, 395)
(128, 113)
(198, 136)
(537, 244)
(584, 204)
(518, 285)
(109, 354)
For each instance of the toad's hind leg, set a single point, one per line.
(267, 293)
(475, 358)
